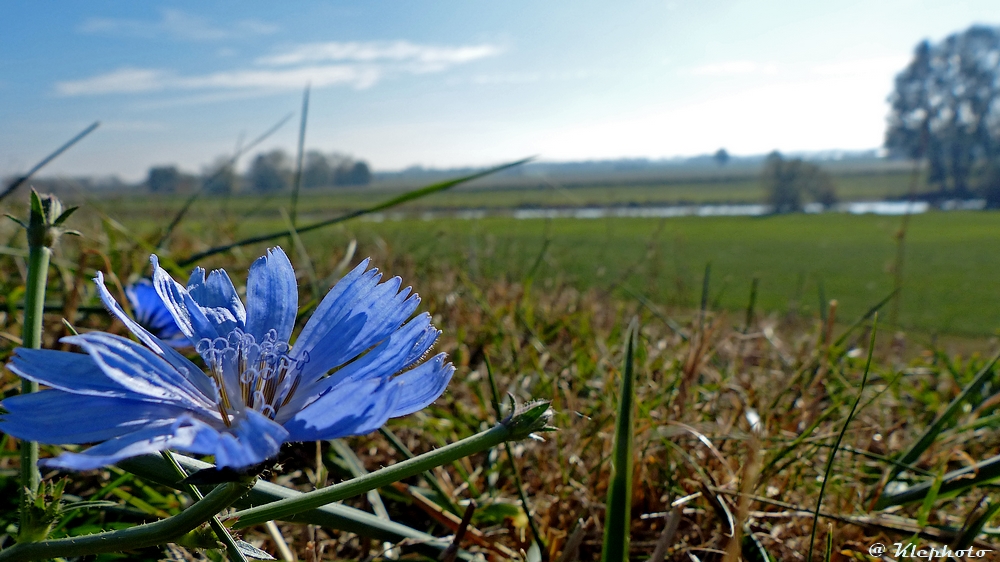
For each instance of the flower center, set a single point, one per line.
(254, 375)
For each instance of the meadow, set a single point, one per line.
(762, 433)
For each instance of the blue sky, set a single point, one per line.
(450, 83)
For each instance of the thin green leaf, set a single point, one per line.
(974, 527)
(618, 515)
(946, 417)
(19, 181)
(955, 482)
(840, 438)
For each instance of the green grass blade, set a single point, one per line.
(840, 438)
(829, 544)
(20, 181)
(618, 515)
(388, 204)
(974, 527)
(954, 482)
(864, 318)
(946, 417)
(751, 305)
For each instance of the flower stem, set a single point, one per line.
(140, 536)
(519, 426)
(232, 549)
(34, 303)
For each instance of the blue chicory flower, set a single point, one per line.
(150, 312)
(354, 365)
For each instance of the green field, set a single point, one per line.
(951, 260)
(950, 263)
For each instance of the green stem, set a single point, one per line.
(140, 536)
(518, 427)
(34, 304)
(235, 555)
(428, 476)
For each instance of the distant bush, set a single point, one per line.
(333, 169)
(169, 179)
(790, 183)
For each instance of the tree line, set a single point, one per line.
(269, 172)
(946, 112)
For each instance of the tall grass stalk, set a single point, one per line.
(618, 515)
(840, 437)
(20, 181)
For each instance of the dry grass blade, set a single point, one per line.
(451, 552)
(672, 521)
(571, 550)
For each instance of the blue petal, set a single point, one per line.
(358, 313)
(76, 373)
(255, 439)
(353, 408)
(152, 314)
(272, 296)
(58, 418)
(404, 348)
(141, 371)
(182, 364)
(184, 434)
(218, 295)
(190, 318)
(418, 388)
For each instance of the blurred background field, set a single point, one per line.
(950, 259)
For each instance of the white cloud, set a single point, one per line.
(176, 24)
(735, 68)
(432, 56)
(357, 65)
(121, 81)
(134, 80)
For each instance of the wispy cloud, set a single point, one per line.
(357, 65)
(121, 81)
(138, 80)
(177, 25)
(433, 57)
(735, 68)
